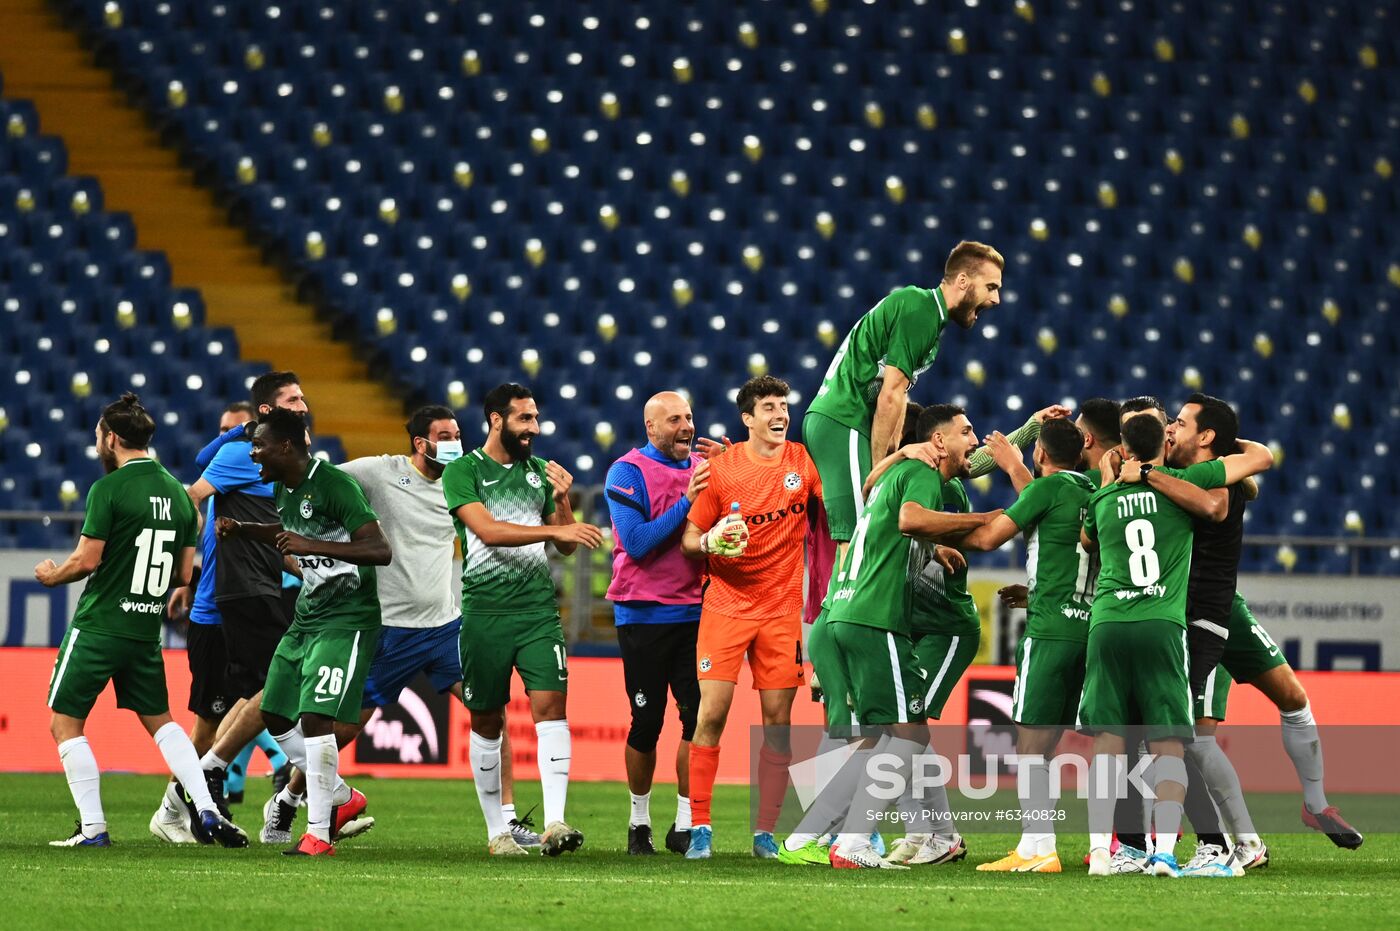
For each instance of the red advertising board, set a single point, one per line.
(401, 743)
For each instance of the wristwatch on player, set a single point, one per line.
(1146, 470)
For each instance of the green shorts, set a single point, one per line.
(1213, 701)
(1250, 652)
(320, 672)
(842, 457)
(493, 645)
(1049, 682)
(826, 665)
(87, 661)
(1135, 674)
(943, 658)
(885, 682)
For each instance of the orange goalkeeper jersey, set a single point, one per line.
(774, 496)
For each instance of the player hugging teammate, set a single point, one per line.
(1133, 525)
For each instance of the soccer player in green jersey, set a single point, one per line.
(137, 541)
(856, 418)
(869, 644)
(506, 505)
(1050, 656)
(318, 672)
(1136, 664)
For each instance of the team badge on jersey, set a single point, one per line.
(705, 664)
(639, 699)
(792, 481)
(405, 481)
(534, 479)
(305, 508)
(916, 706)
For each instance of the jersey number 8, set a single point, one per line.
(1143, 566)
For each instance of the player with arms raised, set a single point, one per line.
(137, 541)
(752, 601)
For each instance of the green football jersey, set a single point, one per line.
(941, 602)
(496, 580)
(1061, 574)
(903, 330)
(146, 520)
(329, 505)
(1144, 548)
(873, 589)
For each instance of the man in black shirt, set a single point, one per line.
(1205, 429)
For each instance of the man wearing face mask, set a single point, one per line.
(422, 623)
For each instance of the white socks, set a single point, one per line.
(1224, 785)
(179, 755)
(641, 810)
(485, 756)
(80, 766)
(1304, 748)
(322, 760)
(1107, 781)
(1166, 815)
(682, 813)
(1037, 831)
(211, 760)
(555, 749)
(507, 808)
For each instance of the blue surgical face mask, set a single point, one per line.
(447, 451)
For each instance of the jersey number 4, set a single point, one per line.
(151, 577)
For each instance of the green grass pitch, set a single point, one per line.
(425, 866)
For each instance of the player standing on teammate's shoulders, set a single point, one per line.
(856, 419)
(753, 600)
(317, 675)
(1224, 637)
(137, 541)
(655, 592)
(506, 505)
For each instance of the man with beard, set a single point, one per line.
(748, 524)
(856, 419)
(506, 505)
(655, 592)
(869, 642)
(137, 539)
(1225, 636)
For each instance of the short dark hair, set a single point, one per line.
(912, 410)
(265, 387)
(935, 416)
(760, 386)
(1062, 441)
(1145, 402)
(286, 425)
(242, 407)
(1218, 416)
(420, 420)
(1144, 437)
(497, 400)
(1101, 417)
(129, 421)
